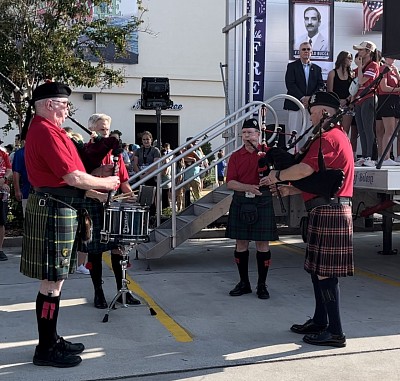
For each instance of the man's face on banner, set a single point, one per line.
(311, 22)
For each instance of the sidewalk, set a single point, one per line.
(200, 332)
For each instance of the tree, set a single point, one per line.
(58, 40)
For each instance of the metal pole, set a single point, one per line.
(173, 205)
(251, 50)
(158, 118)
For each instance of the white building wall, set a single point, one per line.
(185, 44)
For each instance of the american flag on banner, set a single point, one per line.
(372, 11)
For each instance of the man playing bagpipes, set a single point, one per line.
(251, 214)
(329, 252)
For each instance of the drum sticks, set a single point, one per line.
(123, 196)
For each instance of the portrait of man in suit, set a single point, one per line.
(303, 78)
(312, 23)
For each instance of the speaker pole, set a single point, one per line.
(158, 118)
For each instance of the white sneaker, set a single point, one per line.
(81, 269)
(369, 163)
(359, 162)
(390, 162)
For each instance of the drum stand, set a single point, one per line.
(124, 289)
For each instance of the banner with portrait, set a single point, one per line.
(312, 21)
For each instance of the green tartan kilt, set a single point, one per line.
(48, 239)
(263, 229)
(95, 210)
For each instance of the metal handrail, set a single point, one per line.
(231, 123)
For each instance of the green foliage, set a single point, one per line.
(41, 42)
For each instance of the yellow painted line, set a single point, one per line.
(378, 278)
(357, 271)
(178, 332)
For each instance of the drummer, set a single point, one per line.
(100, 124)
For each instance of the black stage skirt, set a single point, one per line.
(252, 219)
(388, 106)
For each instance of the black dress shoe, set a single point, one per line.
(55, 357)
(240, 289)
(326, 338)
(309, 327)
(99, 299)
(262, 291)
(68, 347)
(129, 300)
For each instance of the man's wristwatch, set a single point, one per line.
(278, 175)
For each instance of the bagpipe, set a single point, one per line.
(91, 154)
(325, 182)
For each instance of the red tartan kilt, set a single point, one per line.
(330, 241)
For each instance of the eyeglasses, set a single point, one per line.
(64, 103)
(305, 49)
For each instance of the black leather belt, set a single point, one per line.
(61, 192)
(318, 201)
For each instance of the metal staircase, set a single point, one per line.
(190, 221)
(225, 134)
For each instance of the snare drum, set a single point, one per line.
(125, 223)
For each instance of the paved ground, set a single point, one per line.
(201, 333)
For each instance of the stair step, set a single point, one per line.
(188, 223)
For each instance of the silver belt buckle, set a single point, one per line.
(249, 195)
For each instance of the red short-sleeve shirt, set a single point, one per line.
(371, 70)
(49, 154)
(243, 167)
(338, 154)
(4, 162)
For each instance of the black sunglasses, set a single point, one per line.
(305, 49)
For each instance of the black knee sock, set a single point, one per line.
(116, 266)
(263, 263)
(47, 308)
(242, 261)
(320, 316)
(331, 298)
(96, 269)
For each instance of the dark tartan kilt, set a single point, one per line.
(48, 238)
(264, 229)
(95, 210)
(329, 249)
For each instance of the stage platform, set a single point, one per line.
(386, 179)
(377, 191)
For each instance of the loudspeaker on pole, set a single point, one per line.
(391, 29)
